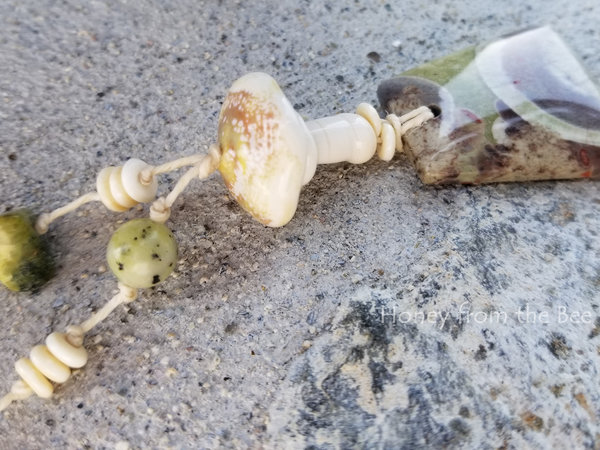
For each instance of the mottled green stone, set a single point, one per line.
(520, 108)
(142, 253)
(25, 263)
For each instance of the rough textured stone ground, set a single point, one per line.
(275, 338)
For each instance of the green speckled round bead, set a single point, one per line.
(142, 253)
(25, 263)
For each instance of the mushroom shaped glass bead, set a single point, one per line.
(267, 150)
(142, 253)
(25, 263)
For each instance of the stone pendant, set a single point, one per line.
(519, 108)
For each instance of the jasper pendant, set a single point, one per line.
(516, 109)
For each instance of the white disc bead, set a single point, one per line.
(387, 147)
(121, 188)
(117, 189)
(368, 112)
(104, 190)
(132, 181)
(66, 352)
(33, 378)
(387, 138)
(48, 365)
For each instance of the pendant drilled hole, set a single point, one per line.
(436, 110)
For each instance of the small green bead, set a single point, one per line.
(25, 263)
(142, 253)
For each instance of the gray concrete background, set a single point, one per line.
(273, 337)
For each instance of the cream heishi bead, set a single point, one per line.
(267, 151)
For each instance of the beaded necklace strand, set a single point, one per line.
(266, 153)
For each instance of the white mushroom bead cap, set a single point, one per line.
(268, 152)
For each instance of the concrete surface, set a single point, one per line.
(274, 338)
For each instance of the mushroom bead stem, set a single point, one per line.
(344, 137)
(356, 137)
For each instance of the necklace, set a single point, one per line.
(266, 153)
